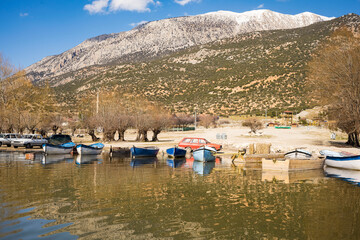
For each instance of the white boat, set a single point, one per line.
(93, 149)
(65, 148)
(204, 154)
(341, 160)
(348, 162)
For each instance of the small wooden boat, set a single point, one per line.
(203, 168)
(65, 148)
(294, 160)
(136, 162)
(176, 163)
(351, 176)
(93, 149)
(144, 152)
(176, 152)
(204, 154)
(119, 152)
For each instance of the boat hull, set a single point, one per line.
(88, 150)
(54, 149)
(204, 155)
(176, 152)
(292, 164)
(143, 152)
(352, 163)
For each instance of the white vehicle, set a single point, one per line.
(29, 141)
(6, 138)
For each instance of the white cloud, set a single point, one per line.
(261, 6)
(24, 14)
(96, 6)
(137, 24)
(100, 6)
(184, 2)
(133, 5)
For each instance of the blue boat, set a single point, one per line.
(93, 149)
(204, 154)
(203, 168)
(176, 163)
(176, 152)
(144, 152)
(65, 148)
(136, 162)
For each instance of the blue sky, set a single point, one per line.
(33, 29)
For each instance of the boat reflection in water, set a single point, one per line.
(50, 159)
(299, 176)
(87, 159)
(136, 162)
(176, 163)
(203, 168)
(351, 176)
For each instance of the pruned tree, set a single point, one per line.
(334, 77)
(254, 124)
(207, 120)
(159, 120)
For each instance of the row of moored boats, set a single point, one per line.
(67, 148)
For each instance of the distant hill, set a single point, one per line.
(158, 38)
(244, 74)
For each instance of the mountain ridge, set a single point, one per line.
(157, 38)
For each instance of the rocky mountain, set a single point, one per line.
(247, 73)
(158, 38)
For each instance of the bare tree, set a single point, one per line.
(334, 76)
(254, 124)
(207, 120)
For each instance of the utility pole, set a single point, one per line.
(195, 119)
(97, 103)
(265, 114)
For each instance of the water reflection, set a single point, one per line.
(308, 176)
(347, 175)
(203, 168)
(175, 163)
(87, 159)
(112, 201)
(136, 162)
(51, 159)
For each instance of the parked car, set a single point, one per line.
(5, 139)
(191, 143)
(58, 139)
(29, 141)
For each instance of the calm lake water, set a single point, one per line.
(57, 198)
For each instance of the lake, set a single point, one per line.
(102, 198)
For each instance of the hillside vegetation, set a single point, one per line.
(246, 74)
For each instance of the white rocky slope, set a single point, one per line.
(164, 36)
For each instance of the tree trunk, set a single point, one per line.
(73, 131)
(121, 135)
(138, 136)
(93, 136)
(156, 132)
(144, 137)
(55, 128)
(353, 139)
(109, 135)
